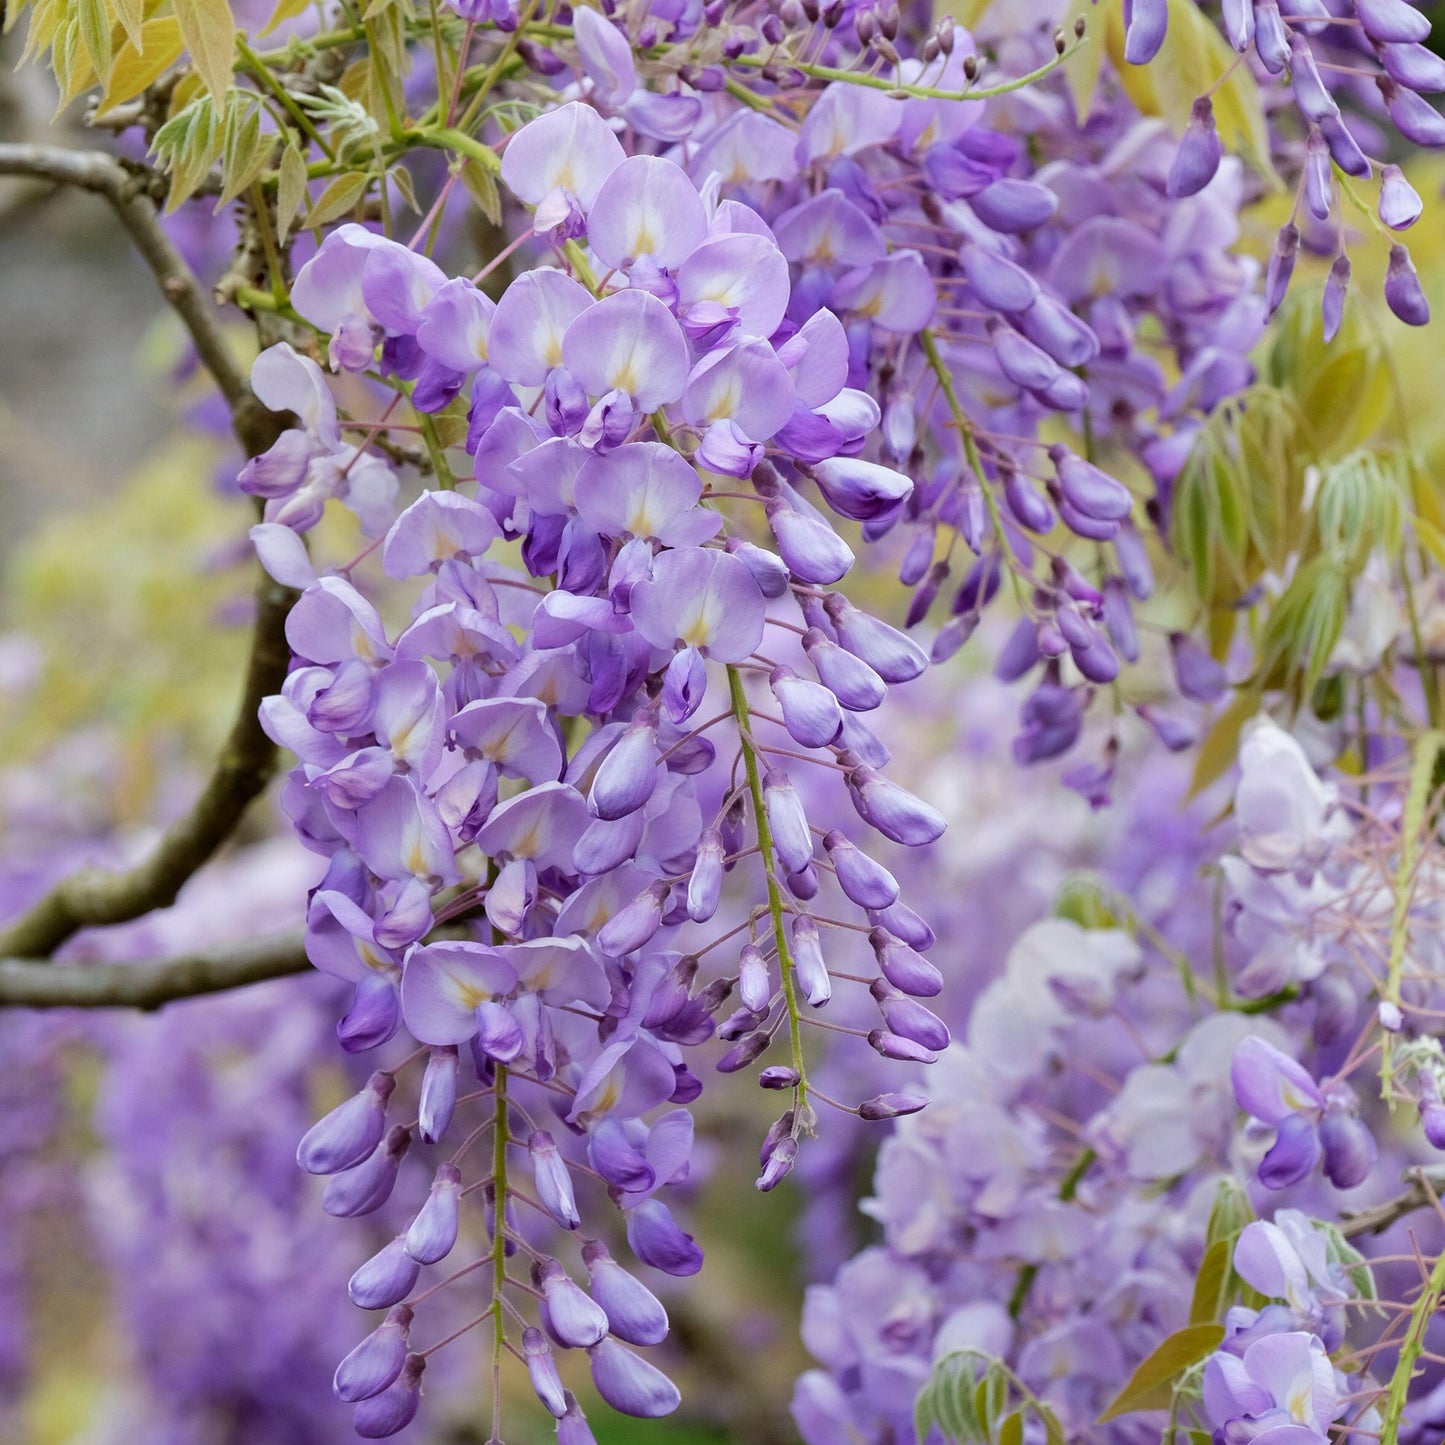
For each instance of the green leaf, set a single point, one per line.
(244, 150)
(482, 188)
(1229, 1213)
(131, 15)
(1011, 1431)
(337, 199)
(95, 33)
(210, 36)
(1150, 1386)
(1221, 743)
(1211, 1285)
(290, 189)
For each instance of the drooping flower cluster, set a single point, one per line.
(551, 783)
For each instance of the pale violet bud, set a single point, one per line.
(542, 1368)
(892, 655)
(997, 281)
(633, 1312)
(438, 1094)
(1332, 307)
(1390, 1017)
(552, 1179)
(894, 811)
(755, 986)
(376, 1361)
(1392, 20)
(1400, 204)
(1402, 289)
(1145, 24)
(778, 1165)
(895, 1046)
(848, 677)
(1271, 40)
(742, 1053)
(810, 711)
(433, 1232)
(812, 972)
(626, 777)
(655, 1238)
(632, 926)
(385, 1279)
(769, 570)
(1319, 177)
(367, 1185)
(901, 921)
(395, 1407)
(862, 491)
(813, 551)
(907, 1017)
(1281, 266)
(779, 1076)
(890, 1106)
(1199, 153)
(704, 886)
(629, 1384)
(573, 1319)
(787, 821)
(865, 881)
(905, 968)
(350, 1131)
(615, 1158)
(1088, 490)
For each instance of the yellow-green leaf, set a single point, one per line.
(290, 190)
(338, 198)
(1221, 744)
(1150, 1386)
(131, 14)
(1011, 1431)
(482, 188)
(284, 11)
(95, 33)
(1085, 65)
(138, 65)
(210, 36)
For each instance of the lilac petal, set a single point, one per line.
(647, 208)
(442, 985)
(542, 824)
(569, 149)
(436, 528)
(745, 384)
(513, 733)
(703, 599)
(606, 55)
(656, 1240)
(531, 322)
(746, 275)
(628, 342)
(895, 294)
(1269, 1085)
(829, 230)
(644, 489)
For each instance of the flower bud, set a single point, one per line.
(704, 887)
(1199, 153)
(385, 1279)
(655, 1239)
(433, 1232)
(1400, 204)
(629, 1384)
(810, 970)
(572, 1318)
(787, 821)
(894, 1046)
(1332, 308)
(376, 1361)
(890, 1106)
(542, 1370)
(865, 881)
(633, 1312)
(1402, 289)
(626, 777)
(368, 1185)
(350, 1131)
(394, 1408)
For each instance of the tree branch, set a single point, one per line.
(1424, 1188)
(248, 759)
(255, 425)
(26, 983)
